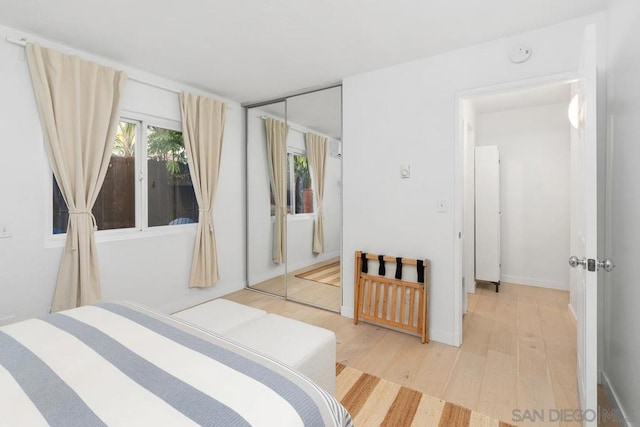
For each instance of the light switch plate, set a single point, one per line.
(441, 205)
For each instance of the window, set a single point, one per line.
(299, 189)
(302, 200)
(171, 199)
(161, 189)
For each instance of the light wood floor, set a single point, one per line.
(308, 291)
(518, 350)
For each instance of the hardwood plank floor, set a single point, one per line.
(518, 350)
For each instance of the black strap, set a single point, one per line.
(399, 268)
(381, 269)
(365, 263)
(420, 265)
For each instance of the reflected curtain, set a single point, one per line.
(277, 161)
(203, 129)
(317, 156)
(77, 103)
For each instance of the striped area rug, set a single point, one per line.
(328, 274)
(373, 401)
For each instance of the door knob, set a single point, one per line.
(574, 261)
(607, 265)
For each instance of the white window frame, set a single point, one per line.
(141, 228)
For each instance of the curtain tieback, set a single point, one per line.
(74, 247)
(93, 218)
(207, 212)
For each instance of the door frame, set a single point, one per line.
(458, 186)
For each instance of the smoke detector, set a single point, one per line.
(520, 54)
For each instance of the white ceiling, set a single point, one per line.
(259, 49)
(524, 98)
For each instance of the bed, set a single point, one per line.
(122, 364)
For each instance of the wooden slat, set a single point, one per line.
(387, 258)
(376, 307)
(403, 302)
(394, 297)
(372, 293)
(385, 301)
(362, 289)
(412, 307)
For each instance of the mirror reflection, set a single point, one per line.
(294, 198)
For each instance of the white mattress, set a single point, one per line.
(309, 349)
(220, 315)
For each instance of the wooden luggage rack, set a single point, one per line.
(394, 303)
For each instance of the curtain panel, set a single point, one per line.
(277, 162)
(78, 104)
(203, 122)
(317, 156)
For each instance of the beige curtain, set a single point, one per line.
(277, 160)
(203, 130)
(317, 156)
(78, 106)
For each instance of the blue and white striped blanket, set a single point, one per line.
(121, 364)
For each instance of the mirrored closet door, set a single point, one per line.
(294, 198)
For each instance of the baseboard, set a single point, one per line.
(264, 277)
(434, 334)
(316, 259)
(347, 312)
(270, 275)
(528, 281)
(615, 402)
(442, 336)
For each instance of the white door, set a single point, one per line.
(584, 228)
(487, 213)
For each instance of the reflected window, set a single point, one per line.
(299, 188)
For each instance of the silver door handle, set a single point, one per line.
(574, 261)
(607, 265)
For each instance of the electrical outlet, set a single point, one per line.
(5, 231)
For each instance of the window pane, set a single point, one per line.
(171, 199)
(302, 186)
(115, 205)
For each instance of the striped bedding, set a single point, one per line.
(121, 364)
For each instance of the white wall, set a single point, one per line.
(151, 269)
(299, 228)
(622, 293)
(408, 114)
(534, 192)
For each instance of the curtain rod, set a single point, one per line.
(20, 42)
(23, 42)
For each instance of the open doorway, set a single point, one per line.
(523, 330)
(528, 135)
